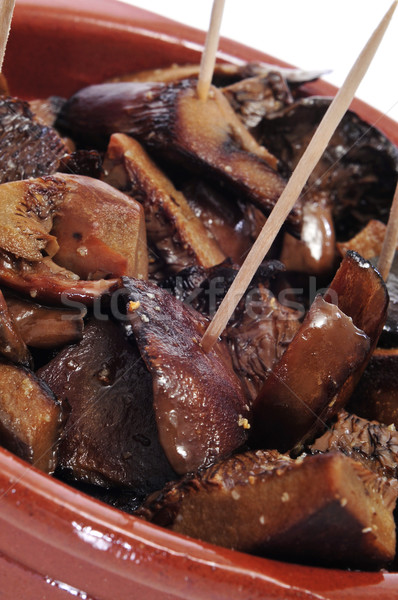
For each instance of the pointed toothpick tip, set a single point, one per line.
(210, 50)
(6, 12)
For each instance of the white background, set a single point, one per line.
(312, 34)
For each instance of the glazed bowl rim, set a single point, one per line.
(57, 497)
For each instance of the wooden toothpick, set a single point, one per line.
(6, 11)
(295, 185)
(390, 240)
(210, 50)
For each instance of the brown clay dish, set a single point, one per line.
(55, 542)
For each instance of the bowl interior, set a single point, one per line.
(55, 541)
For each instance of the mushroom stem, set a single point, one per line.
(296, 183)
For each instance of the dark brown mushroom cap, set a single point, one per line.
(258, 336)
(256, 97)
(373, 444)
(376, 395)
(317, 374)
(110, 437)
(27, 147)
(31, 417)
(358, 169)
(360, 292)
(12, 343)
(200, 407)
(305, 384)
(171, 121)
(43, 326)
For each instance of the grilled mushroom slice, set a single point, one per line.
(171, 120)
(259, 330)
(258, 335)
(43, 326)
(315, 252)
(100, 232)
(319, 370)
(234, 224)
(324, 509)
(373, 444)
(368, 242)
(30, 417)
(172, 227)
(46, 111)
(376, 395)
(27, 148)
(200, 406)
(12, 344)
(256, 97)
(45, 281)
(86, 228)
(110, 437)
(358, 169)
(305, 383)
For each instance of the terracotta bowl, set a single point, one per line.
(57, 543)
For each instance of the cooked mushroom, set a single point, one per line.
(376, 395)
(110, 437)
(43, 326)
(256, 97)
(171, 120)
(305, 383)
(223, 74)
(368, 242)
(27, 148)
(258, 335)
(30, 417)
(325, 509)
(358, 169)
(234, 225)
(316, 375)
(12, 344)
(314, 253)
(373, 444)
(102, 237)
(200, 407)
(173, 228)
